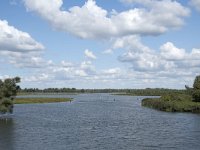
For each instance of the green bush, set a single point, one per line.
(196, 89)
(196, 84)
(173, 103)
(8, 89)
(196, 95)
(3, 109)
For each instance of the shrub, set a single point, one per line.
(196, 89)
(196, 95)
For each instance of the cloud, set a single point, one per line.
(141, 57)
(112, 71)
(71, 71)
(87, 67)
(2, 77)
(19, 48)
(25, 60)
(108, 51)
(168, 58)
(170, 52)
(130, 42)
(196, 4)
(66, 64)
(12, 39)
(89, 54)
(42, 77)
(93, 22)
(148, 69)
(77, 75)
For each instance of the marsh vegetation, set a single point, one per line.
(174, 102)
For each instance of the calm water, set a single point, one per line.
(98, 122)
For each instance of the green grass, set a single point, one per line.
(40, 100)
(173, 103)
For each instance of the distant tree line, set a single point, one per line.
(70, 90)
(154, 91)
(8, 90)
(136, 92)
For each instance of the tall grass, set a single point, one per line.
(40, 100)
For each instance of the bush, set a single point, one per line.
(196, 84)
(196, 89)
(196, 95)
(8, 89)
(3, 109)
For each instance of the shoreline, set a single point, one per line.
(171, 105)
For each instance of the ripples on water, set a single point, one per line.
(98, 122)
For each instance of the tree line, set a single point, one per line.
(136, 92)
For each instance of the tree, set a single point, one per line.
(196, 84)
(196, 89)
(8, 90)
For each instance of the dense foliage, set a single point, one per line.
(176, 102)
(173, 103)
(196, 89)
(8, 89)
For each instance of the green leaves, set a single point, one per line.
(196, 95)
(196, 89)
(8, 89)
(196, 84)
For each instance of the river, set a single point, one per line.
(98, 122)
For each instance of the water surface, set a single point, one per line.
(98, 122)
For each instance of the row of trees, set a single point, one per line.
(70, 90)
(49, 90)
(8, 90)
(136, 92)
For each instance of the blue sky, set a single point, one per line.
(100, 44)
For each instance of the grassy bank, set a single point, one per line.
(173, 103)
(40, 100)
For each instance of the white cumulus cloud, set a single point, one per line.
(170, 52)
(89, 54)
(19, 48)
(12, 39)
(92, 21)
(168, 59)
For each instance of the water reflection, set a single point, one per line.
(6, 133)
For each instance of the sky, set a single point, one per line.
(100, 43)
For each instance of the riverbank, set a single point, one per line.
(40, 100)
(173, 103)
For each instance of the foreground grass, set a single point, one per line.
(173, 103)
(40, 100)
